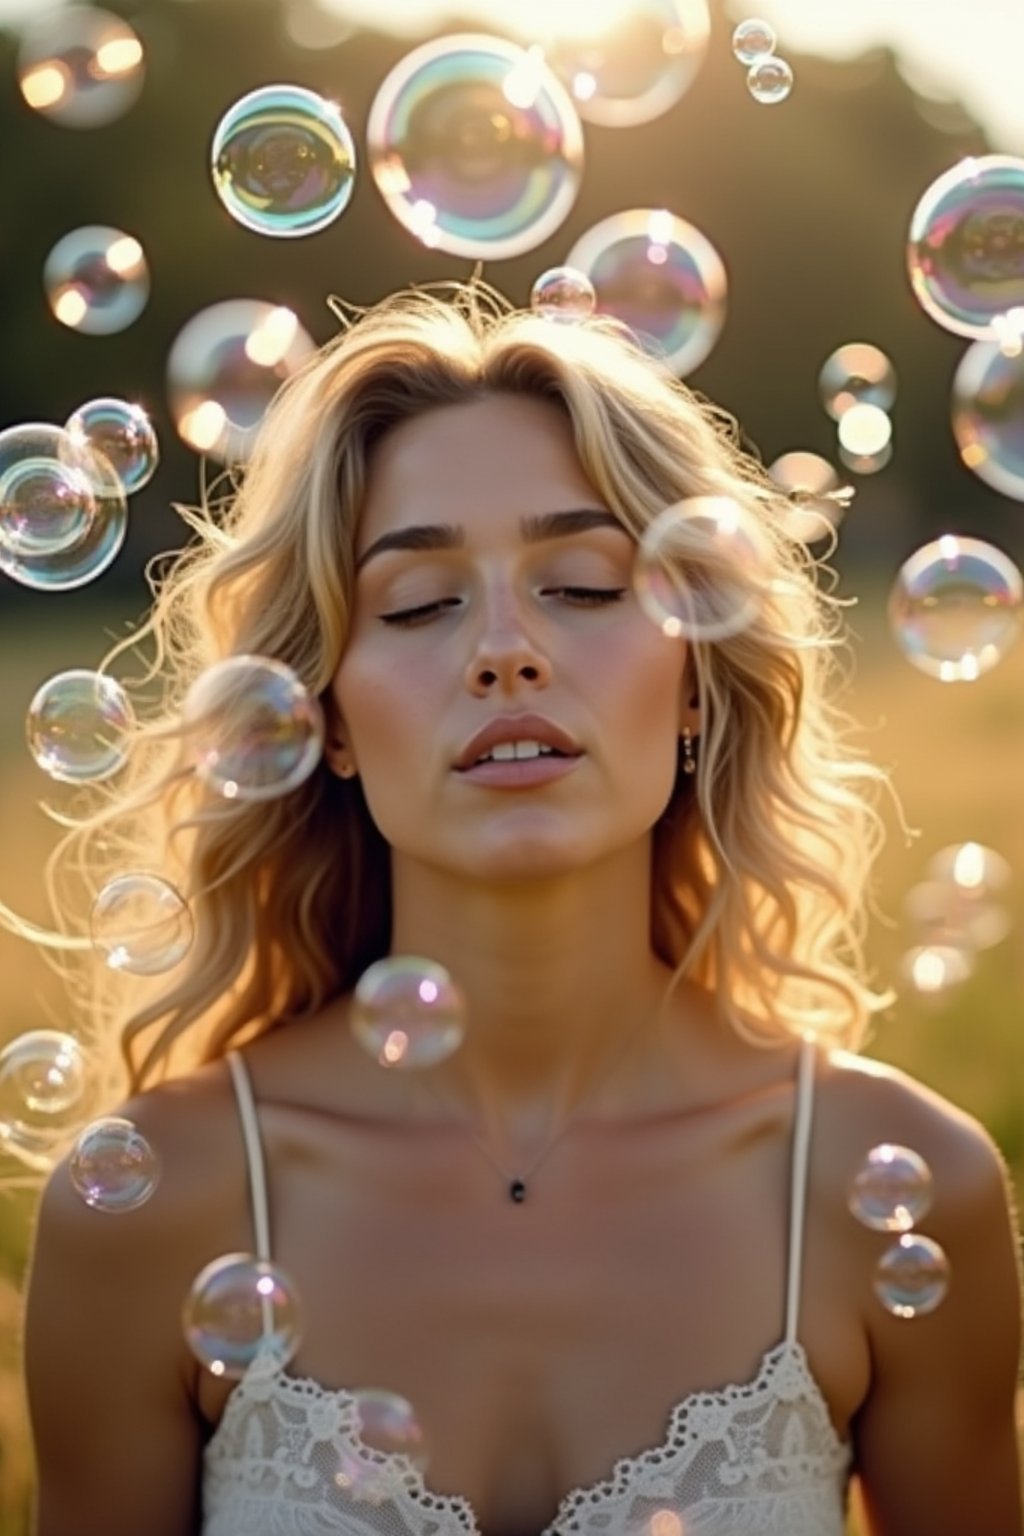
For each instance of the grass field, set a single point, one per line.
(957, 754)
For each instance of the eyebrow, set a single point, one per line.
(535, 529)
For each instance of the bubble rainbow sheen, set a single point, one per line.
(637, 65)
(63, 513)
(965, 249)
(988, 416)
(476, 146)
(662, 277)
(283, 161)
(96, 280)
(956, 607)
(225, 366)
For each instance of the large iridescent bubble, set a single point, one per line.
(633, 65)
(97, 280)
(476, 146)
(965, 251)
(225, 366)
(78, 726)
(988, 416)
(254, 731)
(50, 488)
(63, 513)
(79, 66)
(283, 161)
(241, 1309)
(955, 607)
(662, 277)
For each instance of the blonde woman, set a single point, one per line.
(604, 1248)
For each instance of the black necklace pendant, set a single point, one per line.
(517, 1191)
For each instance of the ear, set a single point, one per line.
(337, 753)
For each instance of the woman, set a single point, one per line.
(604, 1247)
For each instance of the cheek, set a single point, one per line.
(383, 702)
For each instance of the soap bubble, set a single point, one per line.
(77, 564)
(753, 40)
(988, 416)
(946, 914)
(388, 1423)
(141, 924)
(965, 251)
(694, 569)
(857, 374)
(96, 280)
(408, 1013)
(661, 277)
(932, 969)
(770, 81)
(975, 870)
(79, 66)
(955, 608)
(113, 1167)
(123, 434)
(225, 366)
(476, 146)
(864, 431)
(283, 161)
(817, 498)
(892, 1189)
(256, 732)
(78, 724)
(630, 66)
(50, 489)
(562, 293)
(912, 1276)
(240, 1309)
(44, 1095)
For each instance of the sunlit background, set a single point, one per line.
(824, 233)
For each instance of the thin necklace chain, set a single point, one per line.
(517, 1182)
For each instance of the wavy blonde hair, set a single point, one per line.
(760, 862)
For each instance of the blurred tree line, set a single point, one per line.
(808, 202)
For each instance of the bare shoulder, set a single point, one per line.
(935, 1436)
(863, 1102)
(112, 1388)
(138, 1264)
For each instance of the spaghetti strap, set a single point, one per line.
(253, 1152)
(798, 1187)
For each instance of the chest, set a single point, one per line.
(538, 1343)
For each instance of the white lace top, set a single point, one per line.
(757, 1459)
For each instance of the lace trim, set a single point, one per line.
(784, 1376)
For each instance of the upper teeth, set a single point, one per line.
(505, 751)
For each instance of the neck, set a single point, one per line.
(558, 977)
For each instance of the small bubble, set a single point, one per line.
(770, 81)
(408, 1013)
(113, 1167)
(912, 1277)
(78, 725)
(892, 1190)
(255, 731)
(141, 924)
(240, 1309)
(753, 40)
(562, 293)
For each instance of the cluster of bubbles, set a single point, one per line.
(769, 77)
(857, 384)
(64, 490)
(891, 1192)
(953, 913)
(965, 258)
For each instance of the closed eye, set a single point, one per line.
(585, 597)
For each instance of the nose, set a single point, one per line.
(505, 657)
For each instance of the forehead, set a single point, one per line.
(496, 457)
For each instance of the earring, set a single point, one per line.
(347, 771)
(689, 761)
